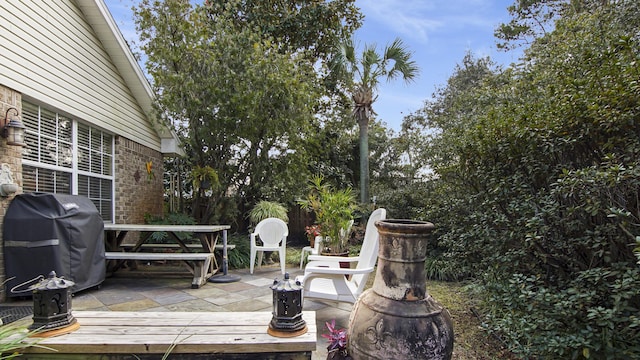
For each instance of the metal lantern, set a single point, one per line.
(52, 305)
(13, 130)
(287, 309)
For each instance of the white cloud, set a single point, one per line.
(420, 19)
(407, 18)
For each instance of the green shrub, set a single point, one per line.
(267, 209)
(239, 257)
(538, 186)
(593, 316)
(436, 268)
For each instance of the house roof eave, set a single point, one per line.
(107, 31)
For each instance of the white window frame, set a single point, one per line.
(73, 170)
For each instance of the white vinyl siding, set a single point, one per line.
(67, 156)
(53, 56)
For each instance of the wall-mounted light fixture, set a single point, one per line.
(12, 129)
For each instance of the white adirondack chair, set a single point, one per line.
(273, 233)
(324, 279)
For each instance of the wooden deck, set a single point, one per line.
(195, 335)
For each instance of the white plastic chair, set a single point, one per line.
(324, 279)
(273, 233)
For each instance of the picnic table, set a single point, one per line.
(195, 335)
(199, 260)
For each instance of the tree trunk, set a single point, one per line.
(364, 159)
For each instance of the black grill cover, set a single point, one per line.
(45, 232)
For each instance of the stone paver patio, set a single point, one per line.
(149, 290)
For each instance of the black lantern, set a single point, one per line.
(287, 309)
(52, 306)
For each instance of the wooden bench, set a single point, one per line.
(199, 264)
(218, 247)
(195, 335)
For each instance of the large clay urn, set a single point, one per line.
(397, 318)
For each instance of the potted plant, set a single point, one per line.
(312, 231)
(333, 209)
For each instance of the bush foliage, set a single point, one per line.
(536, 187)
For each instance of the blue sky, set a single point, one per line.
(438, 32)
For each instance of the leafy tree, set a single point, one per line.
(533, 19)
(310, 26)
(360, 74)
(442, 136)
(243, 105)
(453, 110)
(330, 145)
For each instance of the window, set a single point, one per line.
(68, 157)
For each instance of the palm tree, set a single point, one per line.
(361, 76)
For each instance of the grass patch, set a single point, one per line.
(470, 341)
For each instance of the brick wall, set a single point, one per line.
(11, 155)
(137, 192)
